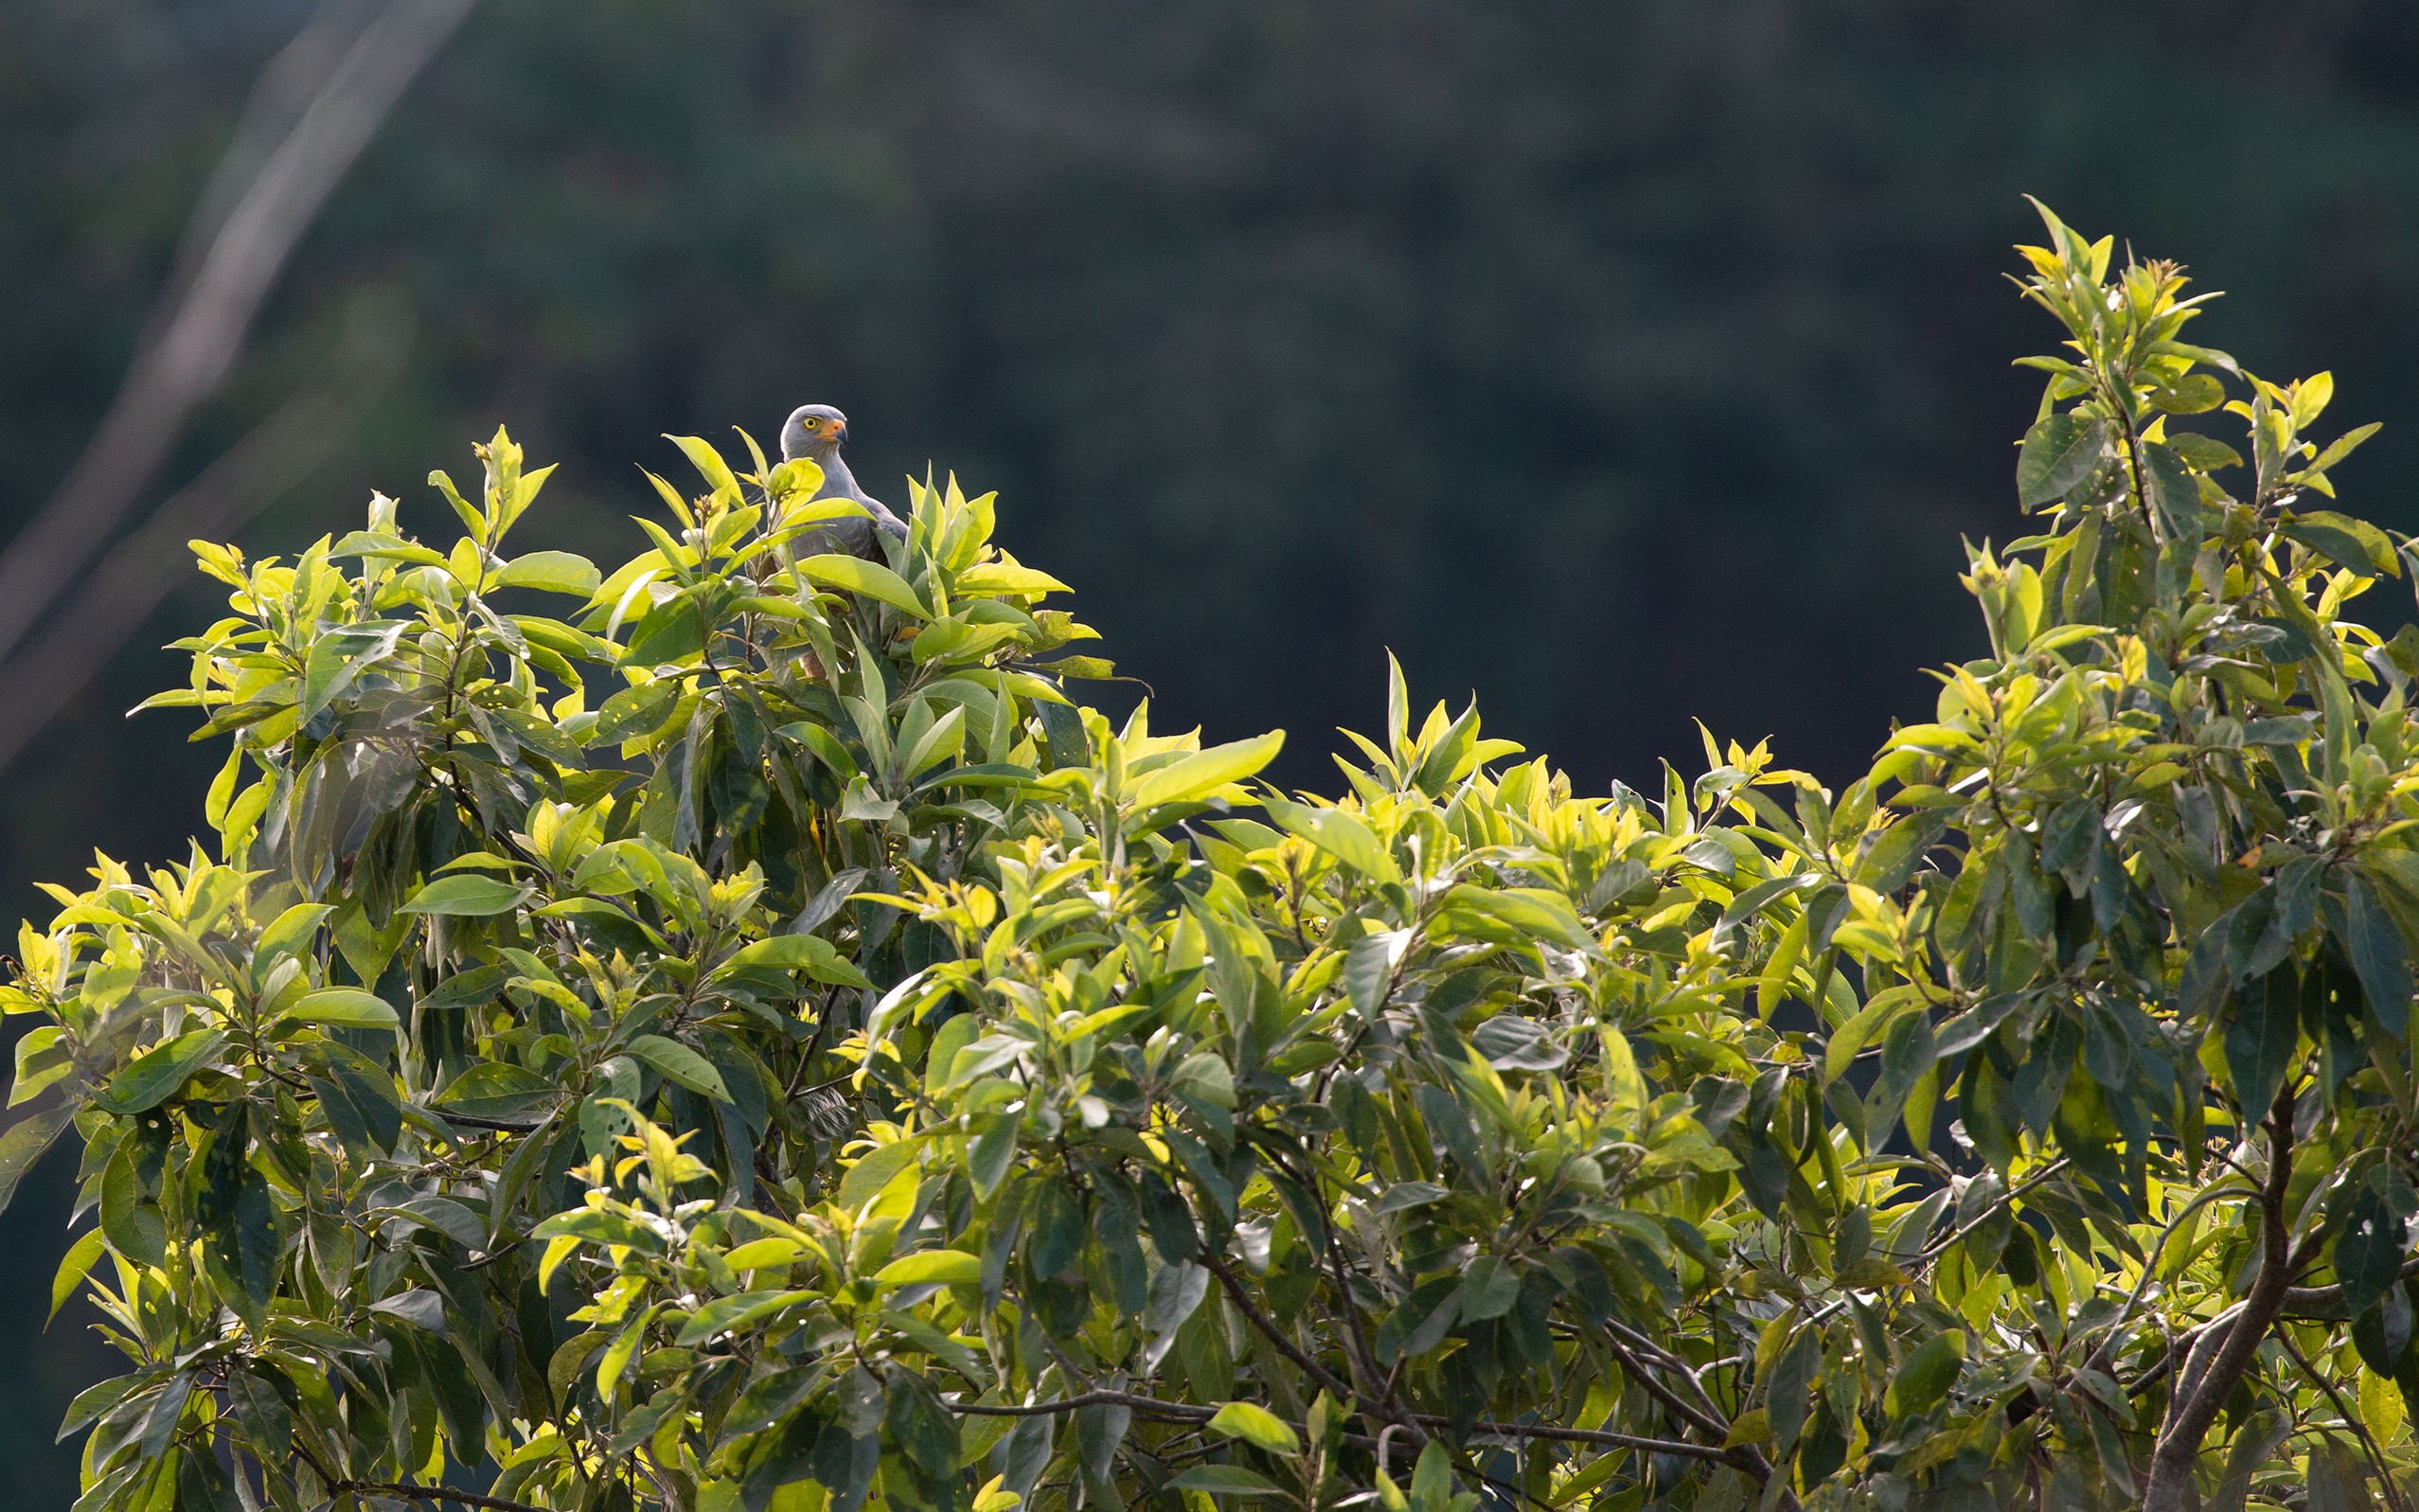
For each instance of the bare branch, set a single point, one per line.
(213, 313)
(142, 569)
(2218, 1361)
(1151, 1406)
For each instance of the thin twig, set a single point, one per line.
(1182, 1412)
(433, 1493)
(1655, 1388)
(2099, 1357)
(1267, 1326)
(2367, 1444)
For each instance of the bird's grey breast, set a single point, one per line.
(805, 437)
(839, 483)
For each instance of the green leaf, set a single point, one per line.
(1850, 1039)
(1341, 834)
(392, 548)
(469, 896)
(871, 1174)
(72, 1270)
(1204, 771)
(2175, 493)
(710, 465)
(2192, 394)
(729, 1314)
(2059, 451)
(25, 1142)
(950, 1266)
(870, 579)
(2367, 1254)
(1369, 966)
(779, 1250)
(261, 1413)
(349, 1007)
(993, 1151)
(554, 572)
(768, 1398)
(1225, 1479)
(1258, 1426)
(2345, 542)
(622, 1351)
(289, 933)
(151, 1077)
(1204, 1077)
(919, 1423)
(1895, 857)
(801, 953)
(1489, 1289)
(2203, 454)
(1794, 1375)
(1403, 1195)
(45, 1057)
(1536, 913)
(681, 1064)
(2335, 1478)
(2253, 1442)
(1004, 577)
(2261, 1038)
(636, 713)
(339, 657)
(2379, 956)
(2340, 448)
(238, 1217)
(1931, 1369)
(495, 1088)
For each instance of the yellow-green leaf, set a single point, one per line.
(871, 1174)
(2380, 1405)
(1000, 577)
(1204, 771)
(760, 1254)
(870, 579)
(347, 1008)
(1258, 1426)
(950, 1266)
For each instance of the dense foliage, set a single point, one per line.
(835, 1069)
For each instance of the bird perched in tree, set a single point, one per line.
(815, 433)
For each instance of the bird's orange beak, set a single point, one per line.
(839, 433)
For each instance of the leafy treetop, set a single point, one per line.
(836, 1071)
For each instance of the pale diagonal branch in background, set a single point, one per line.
(143, 569)
(213, 311)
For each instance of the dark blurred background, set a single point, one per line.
(1623, 363)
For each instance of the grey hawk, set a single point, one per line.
(816, 432)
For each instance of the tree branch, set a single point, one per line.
(432, 1493)
(2367, 1444)
(2218, 1358)
(1234, 1285)
(1645, 1377)
(1182, 1412)
(1584, 1435)
(2327, 1302)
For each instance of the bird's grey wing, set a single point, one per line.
(849, 538)
(838, 480)
(889, 523)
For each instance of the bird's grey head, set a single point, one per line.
(814, 430)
